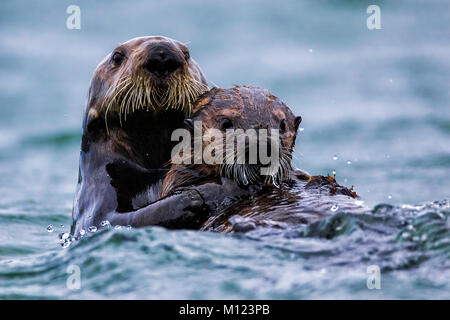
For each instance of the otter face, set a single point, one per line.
(261, 122)
(147, 73)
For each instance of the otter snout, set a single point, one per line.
(163, 60)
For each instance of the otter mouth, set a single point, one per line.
(140, 91)
(273, 174)
(270, 169)
(261, 162)
(161, 82)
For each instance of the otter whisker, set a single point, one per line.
(111, 97)
(131, 93)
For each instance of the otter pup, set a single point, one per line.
(139, 94)
(222, 180)
(225, 118)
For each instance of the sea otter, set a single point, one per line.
(240, 114)
(234, 196)
(219, 184)
(139, 94)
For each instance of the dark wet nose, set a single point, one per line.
(162, 62)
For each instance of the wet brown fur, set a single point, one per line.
(247, 107)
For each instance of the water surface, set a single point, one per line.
(376, 101)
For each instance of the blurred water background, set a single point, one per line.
(375, 108)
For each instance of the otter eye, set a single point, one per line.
(226, 124)
(187, 55)
(117, 58)
(283, 126)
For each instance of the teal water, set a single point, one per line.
(377, 100)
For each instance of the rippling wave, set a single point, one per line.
(328, 258)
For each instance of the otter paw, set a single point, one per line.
(189, 210)
(194, 201)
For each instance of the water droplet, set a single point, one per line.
(410, 227)
(65, 244)
(49, 228)
(389, 196)
(390, 80)
(335, 157)
(349, 162)
(301, 129)
(117, 227)
(334, 208)
(82, 232)
(92, 229)
(63, 236)
(129, 227)
(65, 239)
(105, 223)
(334, 173)
(423, 237)
(405, 235)
(310, 50)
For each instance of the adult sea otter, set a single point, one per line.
(139, 94)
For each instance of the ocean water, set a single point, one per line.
(375, 108)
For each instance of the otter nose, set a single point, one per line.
(162, 62)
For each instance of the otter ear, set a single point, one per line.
(189, 124)
(297, 122)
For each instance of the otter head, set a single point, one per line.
(246, 134)
(147, 73)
